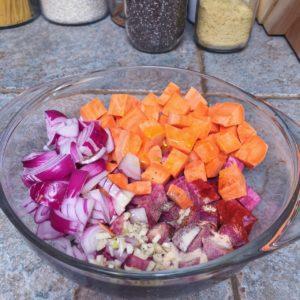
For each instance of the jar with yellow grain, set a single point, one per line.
(17, 12)
(224, 25)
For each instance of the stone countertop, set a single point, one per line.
(40, 51)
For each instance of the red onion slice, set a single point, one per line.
(46, 232)
(89, 240)
(41, 214)
(36, 159)
(110, 145)
(138, 215)
(69, 128)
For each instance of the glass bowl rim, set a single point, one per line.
(242, 255)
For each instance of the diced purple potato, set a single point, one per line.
(231, 160)
(216, 245)
(194, 195)
(140, 200)
(209, 213)
(251, 200)
(135, 262)
(179, 182)
(183, 237)
(236, 233)
(163, 231)
(118, 225)
(205, 232)
(154, 203)
(248, 222)
(171, 215)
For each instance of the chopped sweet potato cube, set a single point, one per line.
(111, 166)
(232, 129)
(163, 119)
(201, 127)
(214, 128)
(107, 121)
(252, 152)
(232, 183)
(177, 105)
(195, 170)
(119, 105)
(245, 131)
(132, 120)
(227, 114)
(193, 156)
(151, 111)
(201, 110)
(92, 110)
(156, 173)
(213, 167)
(207, 149)
(193, 97)
(175, 162)
(118, 179)
(179, 196)
(139, 187)
(180, 139)
(155, 154)
(228, 142)
(150, 99)
(171, 89)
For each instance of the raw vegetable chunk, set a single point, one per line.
(227, 114)
(150, 99)
(132, 120)
(195, 170)
(175, 162)
(176, 105)
(207, 149)
(245, 131)
(252, 152)
(228, 142)
(93, 110)
(139, 187)
(232, 183)
(171, 89)
(156, 173)
(118, 179)
(214, 166)
(193, 97)
(179, 196)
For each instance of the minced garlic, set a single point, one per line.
(224, 23)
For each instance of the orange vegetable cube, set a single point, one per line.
(193, 156)
(134, 143)
(118, 179)
(168, 92)
(175, 162)
(207, 149)
(107, 121)
(245, 131)
(179, 120)
(232, 183)
(193, 97)
(179, 196)
(177, 105)
(155, 154)
(132, 120)
(228, 142)
(201, 127)
(151, 111)
(144, 159)
(119, 104)
(195, 170)
(232, 129)
(152, 130)
(180, 139)
(121, 144)
(252, 152)
(93, 110)
(156, 173)
(201, 110)
(163, 119)
(140, 187)
(150, 99)
(213, 167)
(227, 114)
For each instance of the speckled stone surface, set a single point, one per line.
(40, 51)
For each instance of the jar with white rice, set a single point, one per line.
(74, 12)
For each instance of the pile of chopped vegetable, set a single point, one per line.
(146, 185)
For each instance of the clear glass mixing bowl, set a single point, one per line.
(276, 179)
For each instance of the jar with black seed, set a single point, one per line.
(155, 26)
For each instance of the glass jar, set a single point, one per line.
(116, 8)
(224, 25)
(17, 12)
(74, 12)
(155, 26)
